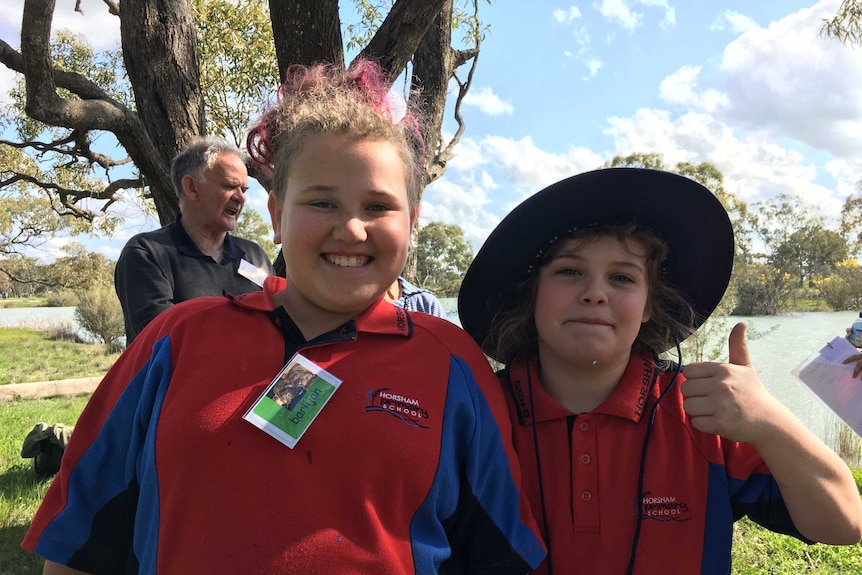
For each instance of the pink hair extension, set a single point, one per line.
(259, 148)
(364, 77)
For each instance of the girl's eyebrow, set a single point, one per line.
(618, 263)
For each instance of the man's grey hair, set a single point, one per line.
(200, 155)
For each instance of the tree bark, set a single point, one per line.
(402, 30)
(306, 32)
(161, 57)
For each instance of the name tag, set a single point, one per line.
(292, 401)
(251, 272)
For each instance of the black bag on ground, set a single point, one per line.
(45, 445)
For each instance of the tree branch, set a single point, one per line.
(68, 197)
(463, 87)
(401, 32)
(81, 149)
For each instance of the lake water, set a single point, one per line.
(40, 318)
(35, 317)
(784, 341)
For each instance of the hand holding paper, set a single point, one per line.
(828, 374)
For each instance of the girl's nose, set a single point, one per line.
(594, 292)
(350, 229)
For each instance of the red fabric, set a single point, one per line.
(590, 488)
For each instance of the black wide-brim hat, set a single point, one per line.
(682, 212)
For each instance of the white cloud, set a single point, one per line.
(7, 82)
(488, 102)
(96, 24)
(669, 11)
(48, 251)
(789, 81)
(566, 16)
(469, 196)
(593, 65)
(460, 203)
(755, 167)
(618, 11)
(737, 23)
(680, 88)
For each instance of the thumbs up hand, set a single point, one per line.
(728, 399)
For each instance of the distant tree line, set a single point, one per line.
(785, 250)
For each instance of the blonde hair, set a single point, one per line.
(322, 99)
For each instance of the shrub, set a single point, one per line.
(99, 313)
(63, 330)
(64, 298)
(843, 289)
(845, 443)
(761, 290)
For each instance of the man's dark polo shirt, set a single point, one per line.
(161, 268)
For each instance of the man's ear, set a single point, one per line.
(190, 188)
(275, 215)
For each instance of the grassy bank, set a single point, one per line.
(34, 355)
(20, 491)
(24, 302)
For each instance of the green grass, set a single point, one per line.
(757, 551)
(20, 490)
(802, 305)
(30, 355)
(24, 302)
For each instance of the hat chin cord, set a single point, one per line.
(641, 470)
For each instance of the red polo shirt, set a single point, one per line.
(695, 484)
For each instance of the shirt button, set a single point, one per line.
(586, 495)
(585, 459)
(585, 426)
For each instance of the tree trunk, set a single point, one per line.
(161, 56)
(306, 32)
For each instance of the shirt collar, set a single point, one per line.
(628, 399)
(381, 317)
(188, 247)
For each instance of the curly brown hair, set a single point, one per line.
(671, 316)
(325, 98)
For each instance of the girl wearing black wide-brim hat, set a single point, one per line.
(633, 463)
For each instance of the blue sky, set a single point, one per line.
(563, 87)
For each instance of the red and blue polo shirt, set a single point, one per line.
(409, 468)
(583, 483)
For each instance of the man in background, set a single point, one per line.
(195, 256)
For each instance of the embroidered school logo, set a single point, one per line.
(407, 409)
(664, 508)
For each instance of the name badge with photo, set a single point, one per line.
(251, 272)
(292, 401)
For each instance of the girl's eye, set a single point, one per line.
(622, 278)
(321, 204)
(568, 271)
(378, 208)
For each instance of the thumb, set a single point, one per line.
(737, 346)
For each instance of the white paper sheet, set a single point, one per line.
(833, 382)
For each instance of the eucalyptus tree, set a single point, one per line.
(189, 67)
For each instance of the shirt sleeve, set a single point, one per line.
(476, 494)
(754, 492)
(143, 287)
(88, 518)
